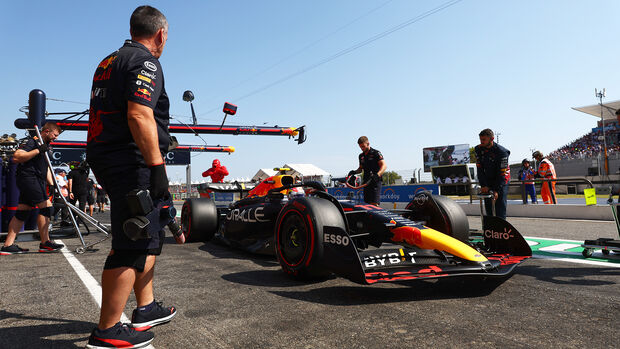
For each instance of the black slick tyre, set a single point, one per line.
(199, 219)
(298, 236)
(441, 214)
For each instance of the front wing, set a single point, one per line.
(503, 252)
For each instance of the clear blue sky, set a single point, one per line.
(514, 66)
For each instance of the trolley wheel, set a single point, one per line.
(587, 252)
(80, 250)
(605, 252)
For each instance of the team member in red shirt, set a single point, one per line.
(217, 172)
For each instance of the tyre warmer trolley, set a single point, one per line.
(605, 244)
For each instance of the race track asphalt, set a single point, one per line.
(230, 299)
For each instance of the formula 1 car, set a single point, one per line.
(313, 234)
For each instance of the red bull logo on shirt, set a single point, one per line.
(144, 91)
(106, 62)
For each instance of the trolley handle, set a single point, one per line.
(482, 197)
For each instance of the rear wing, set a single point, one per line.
(234, 187)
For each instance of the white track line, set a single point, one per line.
(89, 281)
(563, 245)
(579, 261)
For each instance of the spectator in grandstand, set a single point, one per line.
(527, 174)
(546, 171)
(618, 133)
(493, 172)
(590, 145)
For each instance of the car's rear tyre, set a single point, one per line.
(441, 214)
(199, 219)
(299, 236)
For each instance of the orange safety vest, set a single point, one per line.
(546, 169)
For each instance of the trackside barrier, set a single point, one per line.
(389, 193)
(562, 180)
(515, 182)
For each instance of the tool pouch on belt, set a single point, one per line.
(149, 217)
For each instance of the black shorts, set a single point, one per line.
(372, 193)
(101, 199)
(91, 199)
(79, 200)
(132, 258)
(118, 182)
(31, 190)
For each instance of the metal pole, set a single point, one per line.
(188, 181)
(57, 186)
(600, 95)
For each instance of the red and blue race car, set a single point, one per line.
(314, 235)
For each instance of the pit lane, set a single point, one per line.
(231, 299)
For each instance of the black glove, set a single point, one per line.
(159, 181)
(351, 173)
(43, 148)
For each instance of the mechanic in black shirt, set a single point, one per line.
(78, 182)
(372, 164)
(493, 172)
(32, 176)
(127, 134)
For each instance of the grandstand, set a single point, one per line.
(583, 156)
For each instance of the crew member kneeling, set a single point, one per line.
(127, 134)
(32, 175)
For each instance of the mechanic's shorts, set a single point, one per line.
(91, 200)
(118, 182)
(132, 258)
(79, 199)
(31, 190)
(372, 193)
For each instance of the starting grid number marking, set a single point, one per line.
(569, 251)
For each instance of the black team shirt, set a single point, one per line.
(370, 162)
(130, 74)
(79, 182)
(492, 164)
(35, 167)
